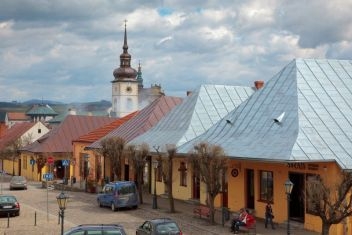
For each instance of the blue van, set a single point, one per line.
(119, 194)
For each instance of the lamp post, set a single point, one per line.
(61, 201)
(155, 166)
(288, 190)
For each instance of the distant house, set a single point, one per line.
(89, 166)
(140, 123)
(20, 134)
(41, 112)
(12, 118)
(57, 144)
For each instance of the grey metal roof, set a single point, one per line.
(195, 115)
(315, 97)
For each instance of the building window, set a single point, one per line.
(39, 131)
(25, 162)
(183, 174)
(266, 186)
(313, 187)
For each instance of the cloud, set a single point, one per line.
(68, 50)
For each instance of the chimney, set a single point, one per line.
(189, 93)
(258, 84)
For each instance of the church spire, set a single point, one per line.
(125, 46)
(139, 76)
(125, 71)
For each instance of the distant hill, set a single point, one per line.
(59, 107)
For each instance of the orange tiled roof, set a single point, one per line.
(100, 132)
(17, 116)
(59, 140)
(143, 121)
(14, 133)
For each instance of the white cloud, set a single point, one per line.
(76, 46)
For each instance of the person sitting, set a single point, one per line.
(241, 220)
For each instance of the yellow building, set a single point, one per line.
(296, 127)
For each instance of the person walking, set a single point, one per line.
(269, 215)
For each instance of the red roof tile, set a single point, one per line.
(101, 132)
(16, 116)
(59, 140)
(144, 120)
(14, 133)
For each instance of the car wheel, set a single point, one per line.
(17, 213)
(113, 207)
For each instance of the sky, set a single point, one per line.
(66, 50)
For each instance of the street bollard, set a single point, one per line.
(35, 218)
(8, 220)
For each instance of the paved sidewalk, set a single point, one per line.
(185, 216)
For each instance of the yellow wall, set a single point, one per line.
(237, 189)
(9, 165)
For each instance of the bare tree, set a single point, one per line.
(211, 164)
(138, 158)
(332, 203)
(113, 148)
(12, 152)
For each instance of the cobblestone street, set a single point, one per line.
(39, 215)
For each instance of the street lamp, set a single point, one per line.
(62, 201)
(288, 190)
(155, 166)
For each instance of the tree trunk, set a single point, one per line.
(140, 187)
(212, 209)
(325, 229)
(171, 197)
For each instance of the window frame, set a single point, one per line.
(266, 184)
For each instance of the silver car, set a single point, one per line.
(18, 182)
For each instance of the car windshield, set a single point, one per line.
(4, 199)
(166, 228)
(18, 178)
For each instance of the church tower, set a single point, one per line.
(125, 85)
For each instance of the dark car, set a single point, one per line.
(160, 226)
(18, 182)
(9, 205)
(96, 229)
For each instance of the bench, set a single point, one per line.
(201, 210)
(250, 226)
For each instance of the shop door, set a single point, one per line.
(297, 197)
(249, 187)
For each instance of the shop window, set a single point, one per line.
(183, 174)
(266, 186)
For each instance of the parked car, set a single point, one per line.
(9, 205)
(111, 229)
(18, 182)
(161, 226)
(119, 194)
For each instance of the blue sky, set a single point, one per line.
(66, 50)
